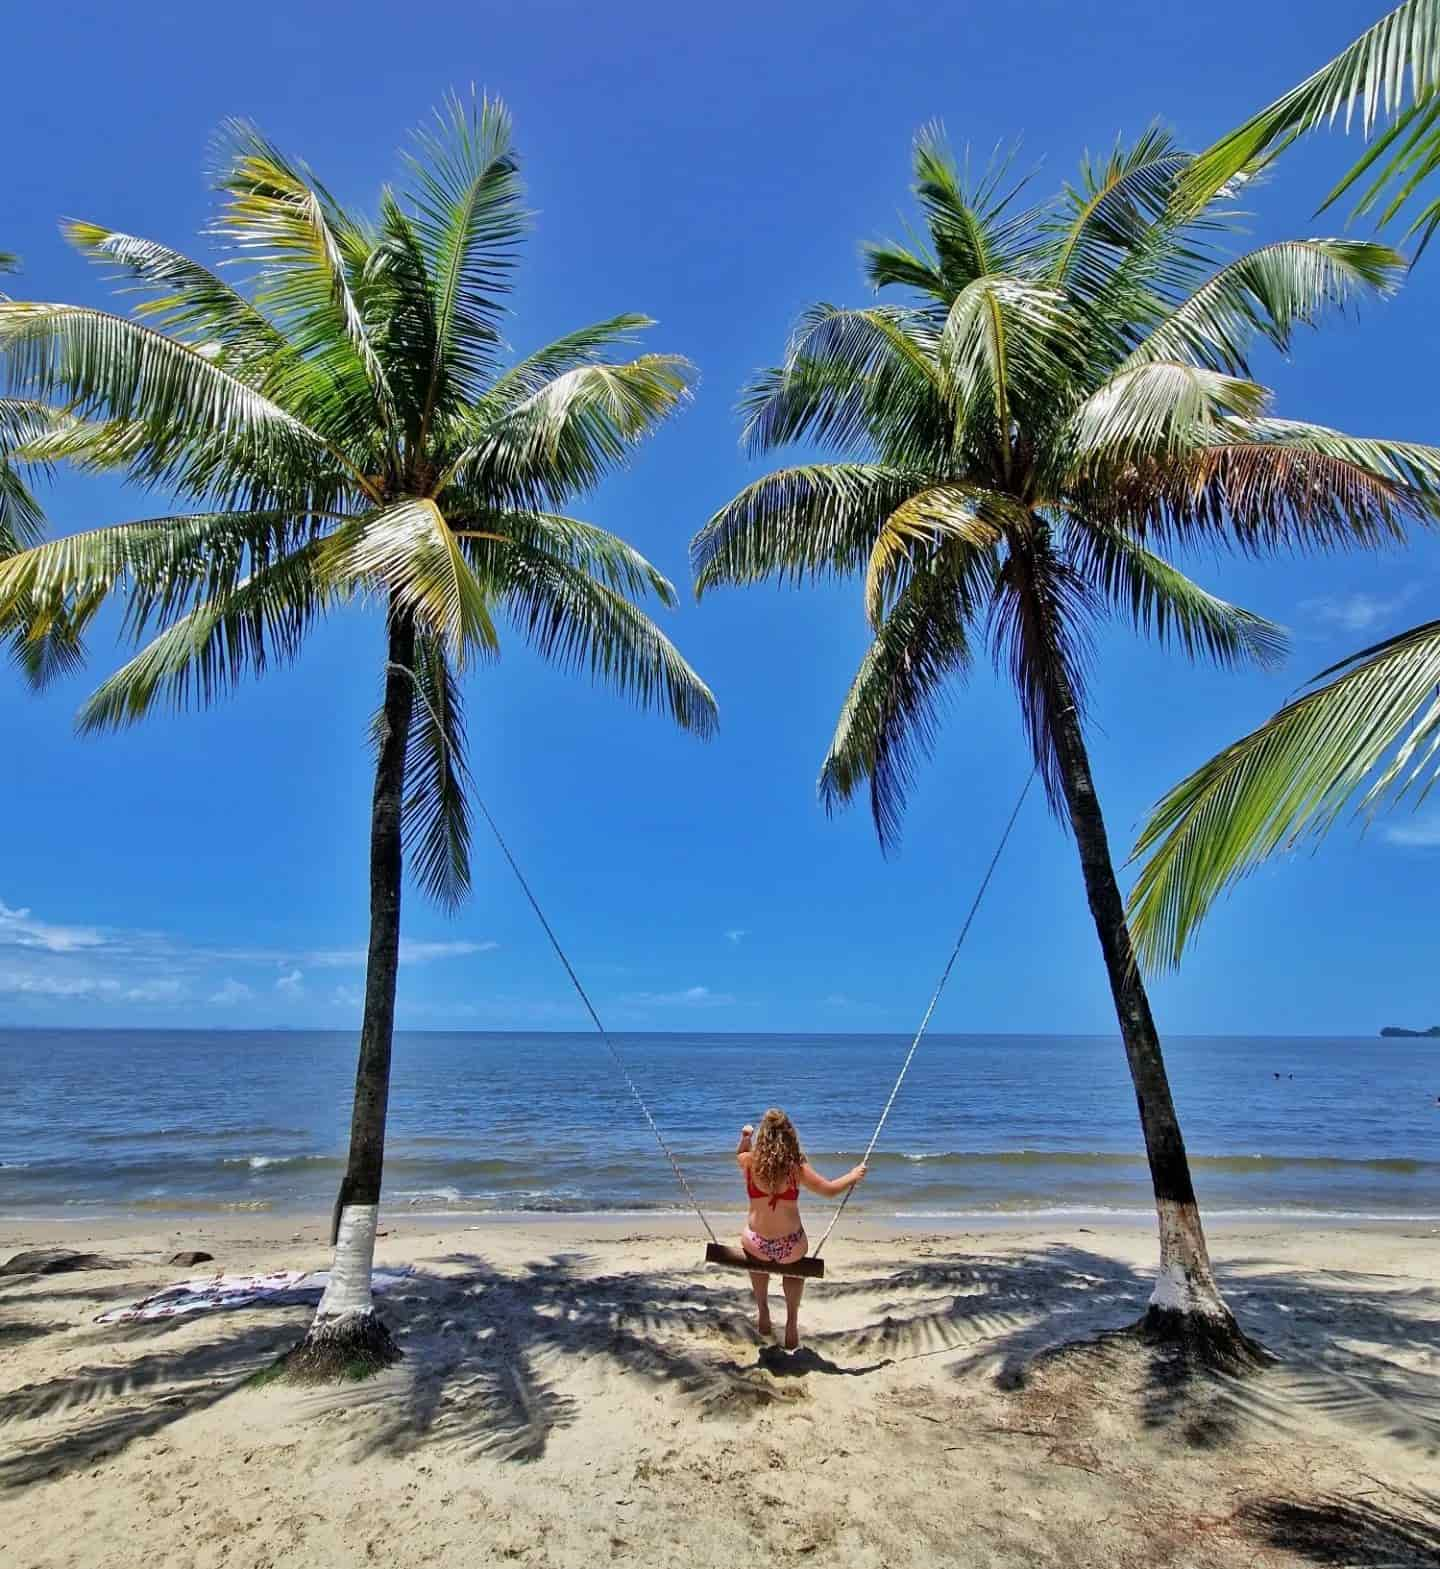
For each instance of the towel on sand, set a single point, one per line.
(207, 1293)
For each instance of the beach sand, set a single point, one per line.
(581, 1392)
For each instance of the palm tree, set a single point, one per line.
(342, 429)
(1390, 71)
(1066, 392)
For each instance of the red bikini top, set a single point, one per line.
(790, 1194)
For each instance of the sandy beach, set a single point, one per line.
(582, 1391)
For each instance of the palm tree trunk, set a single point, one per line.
(347, 1336)
(1186, 1305)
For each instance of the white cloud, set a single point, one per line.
(152, 991)
(19, 929)
(424, 952)
(19, 984)
(737, 933)
(1420, 833)
(691, 997)
(347, 997)
(92, 988)
(231, 993)
(43, 960)
(292, 983)
(1358, 612)
(410, 953)
(837, 1000)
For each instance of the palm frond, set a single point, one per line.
(845, 373)
(1262, 485)
(436, 812)
(1004, 350)
(1113, 211)
(562, 440)
(1165, 604)
(974, 226)
(22, 520)
(582, 545)
(1267, 292)
(46, 648)
(264, 620)
(108, 367)
(1377, 721)
(803, 522)
(1415, 138)
(584, 625)
(1410, 464)
(409, 553)
(466, 194)
(186, 300)
(400, 308)
(584, 346)
(1156, 412)
(165, 566)
(24, 425)
(310, 256)
(1394, 62)
(929, 522)
(891, 715)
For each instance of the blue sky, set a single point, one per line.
(718, 169)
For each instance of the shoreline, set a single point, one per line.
(278, 1227)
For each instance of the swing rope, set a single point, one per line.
(595, 1017)
(934, 999)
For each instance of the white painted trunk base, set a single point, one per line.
(1185, 1284)
(348, 1292)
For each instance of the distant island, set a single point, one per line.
(1433, 1033)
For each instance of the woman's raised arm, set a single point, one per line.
(824, 1186)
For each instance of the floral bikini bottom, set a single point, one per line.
(774, 1250)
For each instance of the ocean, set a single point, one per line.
(188, 1121)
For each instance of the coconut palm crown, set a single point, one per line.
(345, 426)
(1064, 398)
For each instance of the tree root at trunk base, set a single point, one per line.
(1201, 1342)
(354, 1347)
(1183, 1346)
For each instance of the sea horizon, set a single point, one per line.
(987, 1124)
(352, 1030)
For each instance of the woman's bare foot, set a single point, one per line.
(792, 1336)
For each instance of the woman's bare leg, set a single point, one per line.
(760, 1285)
(794, 1286)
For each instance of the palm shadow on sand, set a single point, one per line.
(495, 1359)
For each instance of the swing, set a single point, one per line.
(727, 1256)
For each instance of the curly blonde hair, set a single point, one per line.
(776, 1153)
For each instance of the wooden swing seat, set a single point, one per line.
(737, 1258)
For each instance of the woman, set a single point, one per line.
(775, 1170)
